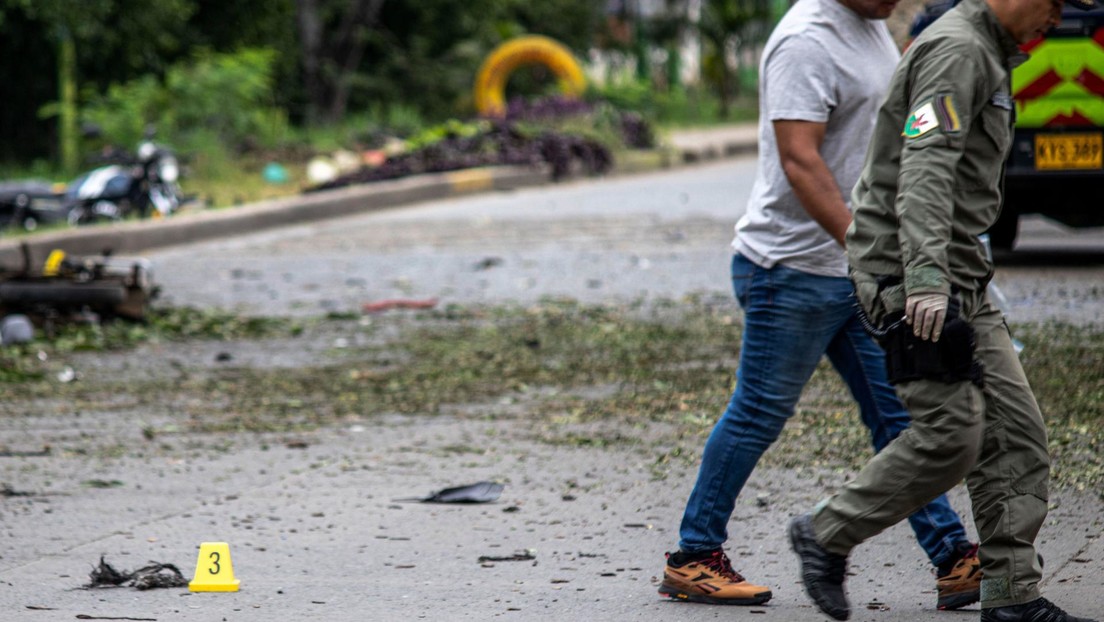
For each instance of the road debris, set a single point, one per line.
(155, 575)
(518, 556)
(398, 303)
(85, 616)
(480, 492)
(102, 483)
(488, 262)
(7, 491)
(10, 453)
(73, 289)
(16, 328)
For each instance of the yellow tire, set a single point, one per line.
(490, 83)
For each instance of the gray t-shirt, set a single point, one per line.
(822, 63)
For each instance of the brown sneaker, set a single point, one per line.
(961, 586)
(708, 578)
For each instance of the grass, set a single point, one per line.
(20, 364)
(226, 182)
(589, 376)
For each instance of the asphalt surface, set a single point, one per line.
(311, 519)
(662, 235)
(616, 240)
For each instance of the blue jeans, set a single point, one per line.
(792, 319)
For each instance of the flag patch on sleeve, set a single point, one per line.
(921, 121)
(948, 115)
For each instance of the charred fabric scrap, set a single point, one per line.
(145, 578)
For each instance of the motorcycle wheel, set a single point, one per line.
(75, 217)
(80, 215)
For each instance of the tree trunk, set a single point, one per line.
(349, 50)
(310, 35)
(726, 103)
(719, 41)
(67, 100)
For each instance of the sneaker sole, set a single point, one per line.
(686, 597)
(814, 593)
(958, 601)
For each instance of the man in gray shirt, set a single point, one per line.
(825, 71)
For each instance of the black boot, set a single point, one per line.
(1041, 610)
(821, 571)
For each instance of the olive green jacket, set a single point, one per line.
(934, 170)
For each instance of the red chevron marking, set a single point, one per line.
(1041, 86)
(1064, 120)
(1031, 45)
(1091, 81)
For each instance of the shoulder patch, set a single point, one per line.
(921, 121)
(1002, 99)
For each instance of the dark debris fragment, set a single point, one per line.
(10, 453)
(155, 575)
(479, 492)
(7, 491)
(519, 556)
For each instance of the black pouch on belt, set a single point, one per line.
(951, 359)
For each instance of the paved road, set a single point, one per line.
(654, 235)
(310, 517)
(650, 236)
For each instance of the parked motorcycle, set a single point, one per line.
(141, 184)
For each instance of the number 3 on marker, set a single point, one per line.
(215, 569)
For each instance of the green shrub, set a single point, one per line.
(366, 130)
(228, 96)
(674, 107)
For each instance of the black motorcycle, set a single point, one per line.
(141, 184)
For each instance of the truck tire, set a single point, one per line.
(493, 75)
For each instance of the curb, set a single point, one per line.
(137, 236)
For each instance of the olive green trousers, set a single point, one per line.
(994, 437)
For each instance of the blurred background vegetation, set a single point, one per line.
(232, 86)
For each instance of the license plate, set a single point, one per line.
(1055, 152)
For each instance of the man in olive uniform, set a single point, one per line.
(930, 186)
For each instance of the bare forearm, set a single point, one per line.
(799, 149)
(816, 188)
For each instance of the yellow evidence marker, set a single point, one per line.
(214, 572)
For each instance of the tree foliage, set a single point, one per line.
(425, 53)
(726, 27)
(115, 40)
(223, 97)
(328, 58)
